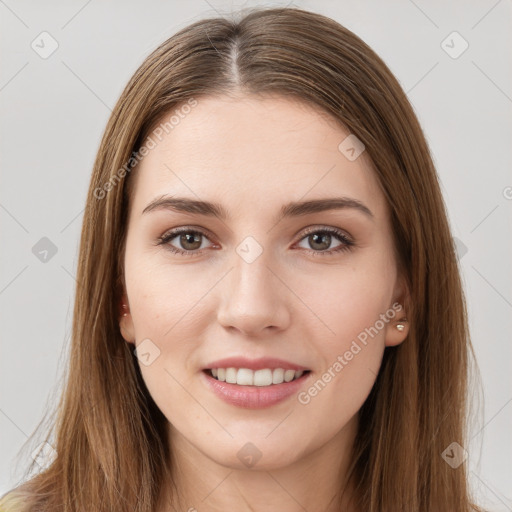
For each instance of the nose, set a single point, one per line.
(254, 298)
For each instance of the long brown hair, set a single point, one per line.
(110, 438)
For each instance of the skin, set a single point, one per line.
(253, 155)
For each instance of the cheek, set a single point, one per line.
(350, 360)
(347, 299)
(347, 333)
(166, 303)
(162, 313)
(161, 294)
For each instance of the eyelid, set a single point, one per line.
(171, 233)
(328, 229)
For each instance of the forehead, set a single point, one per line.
(243, 150)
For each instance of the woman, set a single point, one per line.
(269, 313)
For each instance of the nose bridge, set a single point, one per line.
(254, 297)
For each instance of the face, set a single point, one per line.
(278, 287)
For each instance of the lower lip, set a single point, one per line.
(254, 397)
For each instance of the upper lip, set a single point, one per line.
(254, 364)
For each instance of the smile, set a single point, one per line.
(262, 378)
(254, 389)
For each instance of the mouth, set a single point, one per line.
(265, 377)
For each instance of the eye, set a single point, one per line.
(320, 240)
(190, 241)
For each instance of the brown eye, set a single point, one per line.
(320, 241)
(190, 241)
(186, 242)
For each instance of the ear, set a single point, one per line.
(398, 327)
(126, 320)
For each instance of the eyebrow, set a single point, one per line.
(293, 209)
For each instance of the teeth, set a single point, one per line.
(288, 375)
(246, 377)
(231, 375)
(278, 376)
(262, 377)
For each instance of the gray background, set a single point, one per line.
(54, 111)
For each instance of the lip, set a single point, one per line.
(254, 364)
(254, 397)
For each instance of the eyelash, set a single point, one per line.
(347, 243)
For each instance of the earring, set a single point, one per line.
(401, 325)
(125, 308)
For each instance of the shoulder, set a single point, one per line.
(11, 502)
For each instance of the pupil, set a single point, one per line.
(323, 240)
(189, 238)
